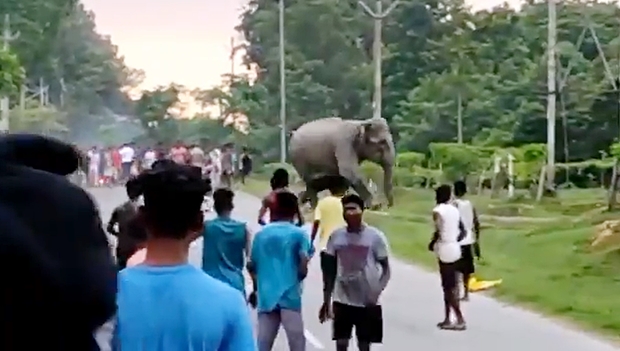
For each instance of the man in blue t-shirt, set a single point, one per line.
(279, 263)
(166, 304)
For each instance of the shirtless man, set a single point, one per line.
(279, 183)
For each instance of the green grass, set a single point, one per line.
(543, 260)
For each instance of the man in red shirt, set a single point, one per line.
(116, 163)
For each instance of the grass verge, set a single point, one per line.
(544, 263)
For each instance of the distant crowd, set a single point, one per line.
(115, 165)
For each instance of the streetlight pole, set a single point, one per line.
(378, 15)
(551, 92)
(7, 37)
(282, 86)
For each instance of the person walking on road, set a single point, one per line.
(128, 155)
(226, 243)
(246, 165)
(94, 161)
(166, 303)
(449, 231)
(470, 246)
(328, 216)
(121, 224)
(279, 183)
(278, 265)
(356, 271)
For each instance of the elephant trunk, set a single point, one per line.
(387, 183)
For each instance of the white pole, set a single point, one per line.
(7, 37)
(551, 93)
(282, 87)
(511, 186)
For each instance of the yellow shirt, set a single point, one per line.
(329, 212)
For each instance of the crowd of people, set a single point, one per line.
(115, 165)
(158, 300)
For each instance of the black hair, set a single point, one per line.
(443, 193)
(460, 188)
(173, 196)
(223, 200)
(353, 199)
(280, 179)
(338, 186)
(287, 205)
(133, 188)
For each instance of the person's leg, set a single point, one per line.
(293, 324)
(344, 317)
(449, 275)
(369, 327)
(446, 302)
(268, 326)
(466, 267)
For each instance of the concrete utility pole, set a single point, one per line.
(551, 92)
(378, 15)
(7, 37)
(282, 87)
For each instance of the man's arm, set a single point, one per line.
(305, 251)
(263, 210)
(248, 242)
(317, 222)
(435, 236)
(111, 228)
(329, 268)
(239, 335)
(477, 251)
(381, 252)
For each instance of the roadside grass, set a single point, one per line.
(539, 250)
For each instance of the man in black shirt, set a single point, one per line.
(246, 165)
(122, 225)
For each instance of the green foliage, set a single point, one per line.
(11, 73)
(408, 160)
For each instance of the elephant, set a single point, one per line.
(331, 146)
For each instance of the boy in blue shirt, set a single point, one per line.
(279, 263)
(226, 243)
(166, 304)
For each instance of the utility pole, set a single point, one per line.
(7, 37)
(551, 92)
(378, 15)
(282, 86)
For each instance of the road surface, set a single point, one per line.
(412, 307)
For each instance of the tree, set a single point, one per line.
(11, 73)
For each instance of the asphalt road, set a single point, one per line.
(412, 307)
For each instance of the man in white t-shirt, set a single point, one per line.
(94, 160)
(469, 244)
(128, 155)
(449, 231)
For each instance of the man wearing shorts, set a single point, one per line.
(355, 273)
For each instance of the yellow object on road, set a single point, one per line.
(479, 285)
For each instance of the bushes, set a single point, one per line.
(267, 170)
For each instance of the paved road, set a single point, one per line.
(412, 307)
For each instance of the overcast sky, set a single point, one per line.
(185, 41)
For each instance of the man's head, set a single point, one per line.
(338, 186)
(133, 188)
(353, 209)
(173, 196)
(223, 201)
(443, 194)
(460, 188)
(280, 179)
(286, 207)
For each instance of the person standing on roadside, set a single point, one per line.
(226, 243)
(128, 155)
(449, 231)
(278, 265)
(356, 271)
(470, 244)
(94, 160)
(150, 156)
(117, 164)
(165, 303)
(246, 165)
(279, 183)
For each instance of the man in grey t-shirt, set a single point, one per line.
(355, 275)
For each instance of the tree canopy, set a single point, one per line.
(438, 54)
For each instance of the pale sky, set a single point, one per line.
(181, 41)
